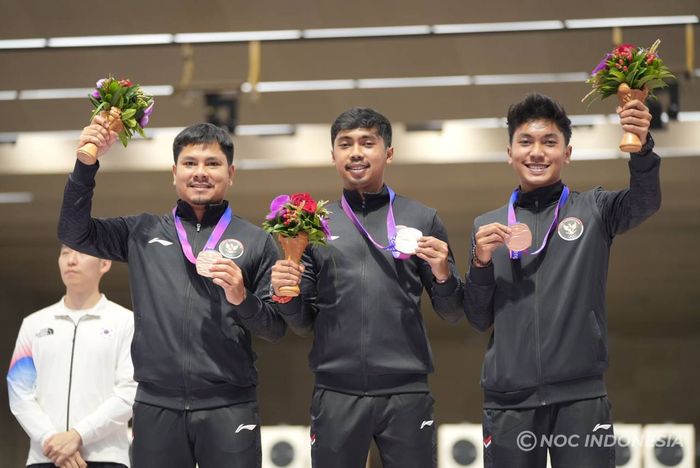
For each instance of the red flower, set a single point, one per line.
(623, 49)
(304, 200)
(126, 82)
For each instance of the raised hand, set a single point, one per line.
(99, 134)
(635, 118)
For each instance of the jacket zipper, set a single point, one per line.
(70, 373)
(538, 349)
(363, 347)
(186, 331)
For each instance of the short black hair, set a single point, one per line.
(203, 134)
(535, 107)
(362, 117)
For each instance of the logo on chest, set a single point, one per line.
(570, 229)
(231, 248)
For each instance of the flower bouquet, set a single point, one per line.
(125, 106)
(298, 220)
(631, 73)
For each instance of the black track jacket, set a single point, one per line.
(548, 312)
(191, 347)
(364, 306)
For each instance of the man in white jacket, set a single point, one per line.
(70, 382)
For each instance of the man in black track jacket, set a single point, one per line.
(543, 370)
(361, 298)
(193, 361)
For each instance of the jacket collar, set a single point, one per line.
(372, 201)
(542, 196)
(211, 215)
(94, 311)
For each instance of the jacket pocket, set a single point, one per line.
(510, 362)
(600, 348)
(577, 348)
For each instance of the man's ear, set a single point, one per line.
(231, 174)
(567, 154)
(389, 154)
(105, 265)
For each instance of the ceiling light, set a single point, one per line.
(265, 130)
(158, 90)
(588, 120)
(312, 85)
(329, 33)
(497, 27)
(529, 78)
(64, 93)
(689, 116)
(629, 21)
(121, 40)
(413, 82)
(8, 95)
(16, 197)
(36, 43)
(237, 36)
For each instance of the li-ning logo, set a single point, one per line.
(246, 427)
(602, 426)
(160, 241)
(44, 332)
(426, 423)
(487, 441)
(570, 229)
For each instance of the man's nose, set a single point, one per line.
(356, 152)
(537, 150)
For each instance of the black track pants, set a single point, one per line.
(343, 425)
(227, 437)
(578, 434)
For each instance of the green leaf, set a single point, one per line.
(617, 74)
(129, 113)
(115, 97)
(653, 84)
(124, 139)
(97, 110)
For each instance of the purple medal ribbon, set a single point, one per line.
(512, 220)
(390, 226)
(214, 238)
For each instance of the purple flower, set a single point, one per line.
(95, 94)
(100, 82)
(276, 206)
(602, 65)
(326, 227)
(144, 121)
(149, 110)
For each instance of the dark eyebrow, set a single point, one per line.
(547, 135)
